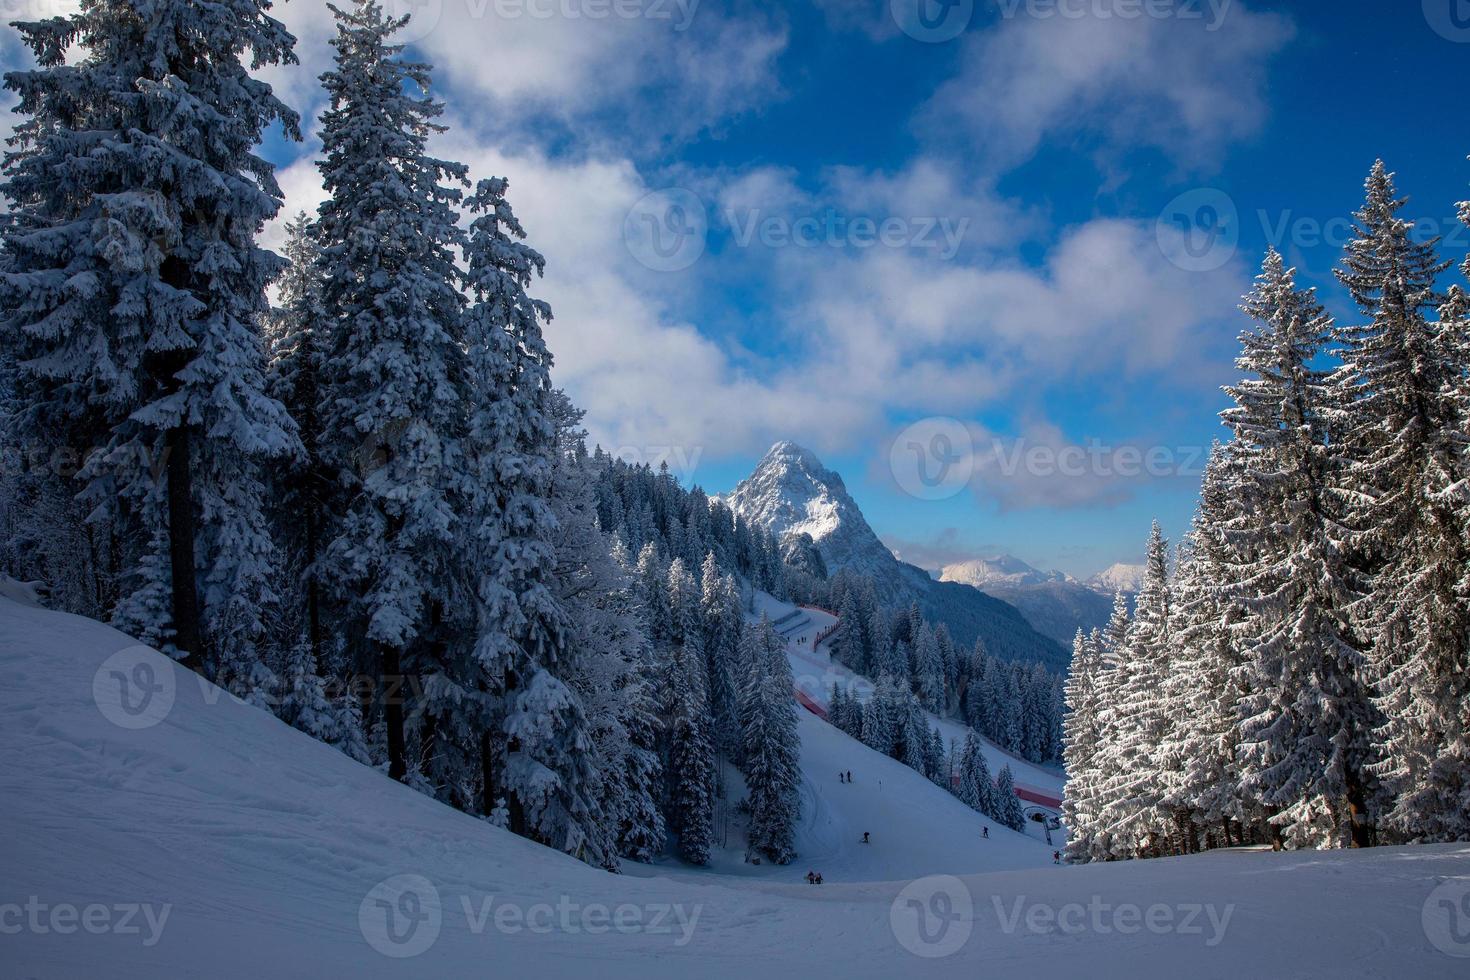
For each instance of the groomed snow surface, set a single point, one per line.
(154, 827)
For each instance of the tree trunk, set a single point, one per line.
(187, 634)
(487, 774)
(390, 684)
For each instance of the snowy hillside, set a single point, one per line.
(792, 492)
(196, 836)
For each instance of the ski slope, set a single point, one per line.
(816, 672)
(154, 827)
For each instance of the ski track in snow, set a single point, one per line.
(265, 850)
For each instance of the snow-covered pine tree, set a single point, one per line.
(1083, 736)
(1008, 808)
(1205, 689)
(295, 334)
(1131, 816)
(1404, 436)
(1308, 718)
(878, 729)
(551, 776)
(606, 663)
(976, 788)
(770, 749)
(393, 377)
(690, 766)
(929, 672)
(723, 620)
(134, 292)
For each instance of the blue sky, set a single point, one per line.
(1032, 221)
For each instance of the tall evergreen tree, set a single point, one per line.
(133, 297)
(1308, 719)
(394, 371)
(1407, 462)
(771, 755)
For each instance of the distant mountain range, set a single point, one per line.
(1057, 604)
(792, 492)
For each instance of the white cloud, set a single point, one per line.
(623, 72)
(1188, 86)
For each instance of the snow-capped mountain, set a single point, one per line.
(1127, 579)
(792, 492)
(981, 572)
(1056, 604)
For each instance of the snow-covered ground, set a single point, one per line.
(154, 827)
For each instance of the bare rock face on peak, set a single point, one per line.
(791, 493)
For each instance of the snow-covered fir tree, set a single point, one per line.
(689, 754)
(394, 373)
(770, 750)
(133, 299)
(1008, 805)
(1130, 783)
(1400, 388)
(1308, 718)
